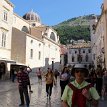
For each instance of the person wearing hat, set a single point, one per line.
(79, 93)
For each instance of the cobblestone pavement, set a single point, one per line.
(9, 96)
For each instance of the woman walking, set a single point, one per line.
(64, 79)
(49, 82)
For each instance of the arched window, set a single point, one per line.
(25, 29)
(52, 36)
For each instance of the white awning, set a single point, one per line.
(7, 60)
(19, 64)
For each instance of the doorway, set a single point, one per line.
(2, 69)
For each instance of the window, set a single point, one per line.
(31, 41)
(25, 29)
(89, 50)
(86, 57)
(83, 51)
(32, 17)
(31, 53)
(39, 57)
(5, 15)
(94, 56)
(28, 17)
(79, 58)
(3, 42)
(39, 44)
(52, 36)
(72, 58)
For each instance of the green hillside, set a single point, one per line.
(75, 28)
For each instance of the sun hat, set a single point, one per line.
(81, 67)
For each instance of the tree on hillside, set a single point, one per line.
(68, 33)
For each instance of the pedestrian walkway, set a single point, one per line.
(9, 96)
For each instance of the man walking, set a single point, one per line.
(23, 80)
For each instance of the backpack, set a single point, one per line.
(78, 99)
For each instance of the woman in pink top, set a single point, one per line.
(39, 74)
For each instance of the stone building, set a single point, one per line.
(79, 52)
(6, 21)
(26, 41)
(104, 12)
(98, 39)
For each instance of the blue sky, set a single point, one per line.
(53, 12)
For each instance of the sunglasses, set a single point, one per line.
(79, 70)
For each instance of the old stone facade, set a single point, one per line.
(26, 41)
(79, 52)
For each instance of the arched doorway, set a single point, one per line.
(2, 69)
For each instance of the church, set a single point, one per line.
(26, 41)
